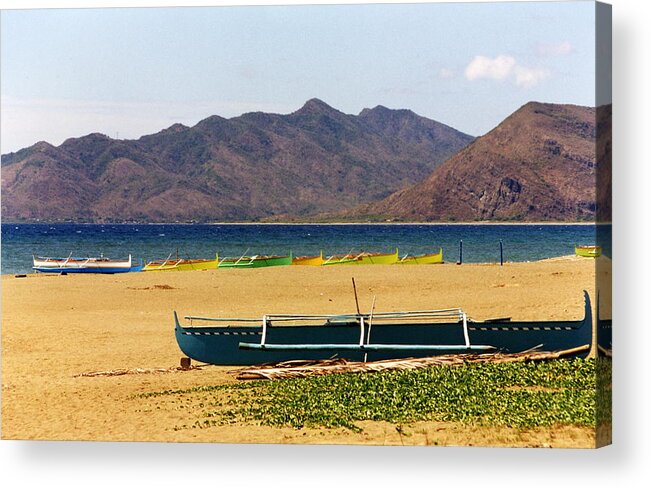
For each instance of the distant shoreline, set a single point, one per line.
(562, 257)
(404, 223)
(315, 223)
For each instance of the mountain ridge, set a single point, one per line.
(252, 167)
(538, 164)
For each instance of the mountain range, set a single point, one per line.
(317, 163)
(252, 167)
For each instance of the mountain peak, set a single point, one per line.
(377, 108)
(178, 127)
(42, 146)
(91, 142)
(380, 111)
(211, 124)
(172, 129)
(549, 109)
(314, 105)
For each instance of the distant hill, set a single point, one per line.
(537, 165)
(253, 167)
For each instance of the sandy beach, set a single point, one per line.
(55, 328)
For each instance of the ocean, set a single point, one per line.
(481, 243)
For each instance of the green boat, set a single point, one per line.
(255, 261)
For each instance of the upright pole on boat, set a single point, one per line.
(370, 324)
(460, 252)
(501, 254)
(356, 300)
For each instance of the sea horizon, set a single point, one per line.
(470, 222)
(468, 242)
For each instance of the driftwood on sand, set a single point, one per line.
(123, 371)
(301, 369)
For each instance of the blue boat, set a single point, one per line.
(85, 265)
(371, 337)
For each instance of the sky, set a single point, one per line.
(127, 72)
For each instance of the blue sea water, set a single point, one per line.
(481, 243)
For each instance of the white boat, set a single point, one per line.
(84, 265)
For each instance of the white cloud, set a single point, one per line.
(495, 69)
(555, 49)
(528, 77)
(504, 67)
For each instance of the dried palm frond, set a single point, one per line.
(301, 369)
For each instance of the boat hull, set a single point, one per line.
(424, 259)
(240, 345)
(364, 258)
(588, 251)
(84, 265)
(379, 258)
(256, 262)
(308, 260)
(89, 270)
(182, 265)
(339, 260)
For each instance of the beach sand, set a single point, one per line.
(55, 328)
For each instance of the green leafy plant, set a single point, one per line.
(522, 395)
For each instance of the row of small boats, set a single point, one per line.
(110, 266)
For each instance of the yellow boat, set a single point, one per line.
(364, 258)
(255, 261)
(308, 260)
(588, 251)
(423, 259)
(180, 264)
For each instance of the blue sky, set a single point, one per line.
(129, 72)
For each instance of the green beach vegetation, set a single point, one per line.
(522, 395)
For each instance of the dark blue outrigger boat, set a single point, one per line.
(371, 337)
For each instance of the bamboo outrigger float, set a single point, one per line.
(373, 336)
